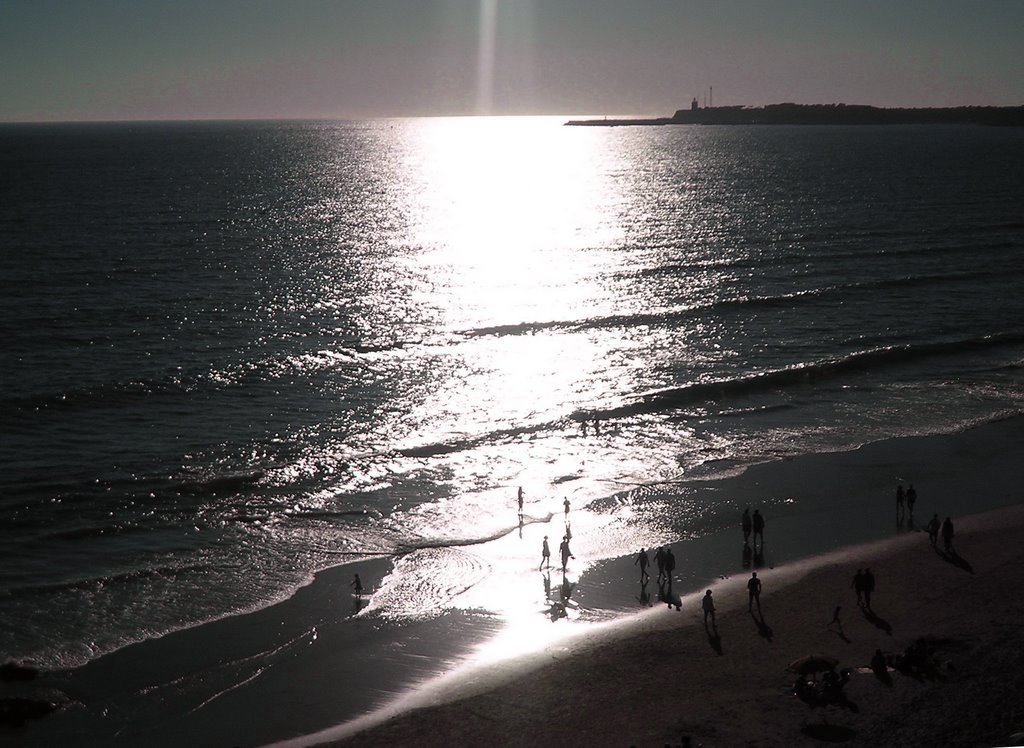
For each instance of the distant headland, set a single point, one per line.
(825, 114)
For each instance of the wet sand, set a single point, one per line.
(306, 672)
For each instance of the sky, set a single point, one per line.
(298, 59)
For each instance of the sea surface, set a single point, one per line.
(234, 354)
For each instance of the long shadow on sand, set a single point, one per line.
(952, 557)
(763, 629)
(877, 621)
(714, 639)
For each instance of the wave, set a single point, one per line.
(670, 317)
(702, 392)
(90, 584)
(717, 391)
(230, 482)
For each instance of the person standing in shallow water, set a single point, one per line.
(545, 554)
(520, 501)
(357, 584)
(565, 505)
(911, 499)
(670, 565)
(899, 500)
(659, 559)
(746, 525)
(565, 552)
(758, 523)
(642, 561)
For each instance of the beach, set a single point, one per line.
(671, 679)
(308, 671)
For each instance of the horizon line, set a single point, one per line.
(463, 115)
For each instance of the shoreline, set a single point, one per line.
(306, 666)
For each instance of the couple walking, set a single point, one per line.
(753, 524)
(863, 584)
(563, 550)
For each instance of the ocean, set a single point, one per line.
(237, 353)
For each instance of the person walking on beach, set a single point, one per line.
(911, 499)
(754, 588)
(545, 555)
(670, 565)
(933, 530)
(358, 585)
(746, 525)
(659, 559)
(869, 587)
(565, 552)
(858, 586)
(899, 500)
(947, 535)
(643, 561)
(758, 523)
(708, 605)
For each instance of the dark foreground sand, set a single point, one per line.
(669, 679)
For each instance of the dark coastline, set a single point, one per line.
(825, 114)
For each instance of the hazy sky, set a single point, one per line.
(151, 59)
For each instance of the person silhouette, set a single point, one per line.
(858, 586)
(520, 501)
(565, 552)
(758, 523)
(947, 535)
(911, 499)
(565, 505)
(545, 554)
(746, 525)
(708, 606)
(933, 530)
(642, 561)
(754, 590)
(869, 587)
(357, 583)
(659, 559)
(899, 500)
(670, 565)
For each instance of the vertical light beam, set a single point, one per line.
(485, 57)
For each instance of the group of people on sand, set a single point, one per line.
(905, 501)
(944, 528)
(664, 559)
(563, 549)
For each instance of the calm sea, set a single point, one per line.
(238, 353)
